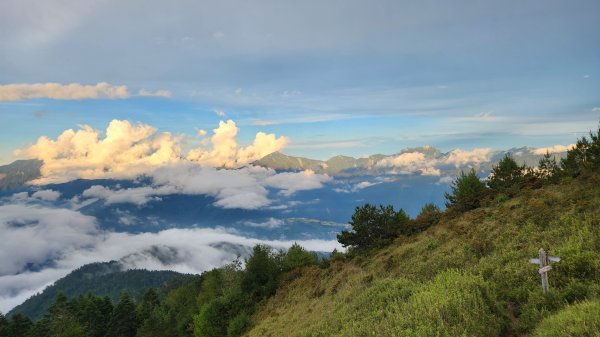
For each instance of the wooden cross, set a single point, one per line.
(544, 263)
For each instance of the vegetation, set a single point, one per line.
(467, 192)
(374, 227)
(461, 272)
(103, 279)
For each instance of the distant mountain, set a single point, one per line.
(102, 279)
(17, 173)
(345, 166)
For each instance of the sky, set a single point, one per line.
(322, 77)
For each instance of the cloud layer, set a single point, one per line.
(61, 240)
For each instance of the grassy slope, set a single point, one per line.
(467, 276)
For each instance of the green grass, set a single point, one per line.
(467, 276)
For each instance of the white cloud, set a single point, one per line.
(410, 162)
(553, 149)
(596, 109)
(291, 182)
(226, 152)
(137, 195)
(69, 240)
(220, 112)
(460, 157)
(157, 93)
(128, 150)
(47, 195)
(72, 91)
(270, 223)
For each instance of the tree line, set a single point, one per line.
(373, 227)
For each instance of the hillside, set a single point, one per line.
(101, 279)
(467, 276)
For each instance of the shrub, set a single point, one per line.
(430, 215)
(467, 192)
(582, 320)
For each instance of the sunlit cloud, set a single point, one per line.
(553, 149)
(127, 150)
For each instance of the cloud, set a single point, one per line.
(596, 109)
(410, 162)
(292, 182)
(126, 151)
(157, 93)
(226, 152)
(553, 149)
(220, 112)
(47, 195)
(61, 240)
(47, 233)
(264, 123)
(485, 115)
(138, 195)
(232, 188)
(460, 157)
(270, 223)
(72, 91)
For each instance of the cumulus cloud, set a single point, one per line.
(460, 157)
(410, 162)
(60, 240)
(226, 152)
(126, 151)
(553, 149)
(47, 195)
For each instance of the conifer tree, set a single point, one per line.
(506, 176)
(123, 322)
(467, 191)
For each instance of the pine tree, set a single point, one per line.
(374, 227)
(467, 192)
(3, 325)
(506, 176)
(149, 301)
(123, 322)
(19, 325)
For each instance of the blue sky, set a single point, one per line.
(335, 77)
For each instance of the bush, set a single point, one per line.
(238, 325)
(467, 192)
(374, 227)
(582, 320)
(430, 215)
